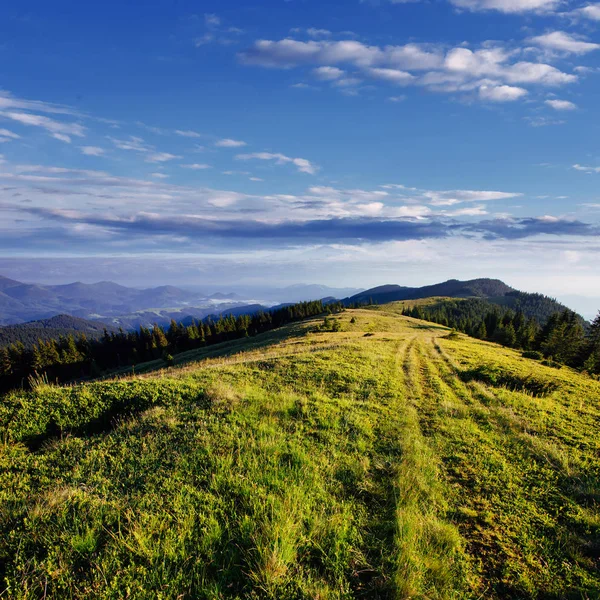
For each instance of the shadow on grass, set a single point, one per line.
(496, 377)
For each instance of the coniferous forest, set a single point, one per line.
(71, 357)
(564, 338)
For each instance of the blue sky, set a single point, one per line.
(350, 143)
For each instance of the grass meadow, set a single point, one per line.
(389, 459)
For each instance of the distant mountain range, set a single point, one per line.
(127, 307)
(89, 308)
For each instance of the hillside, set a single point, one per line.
(536, 306)
(385, 460)
(51, 329)
(480, 288)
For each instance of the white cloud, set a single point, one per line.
(255, 179)
(8, 101)
(302, 164)
(507, 6)
(397, 98)
(564, 42)
(196, 166)
(207, 38)
(229, 143)
(452, 197)
(591, 11)
(561, 104)
(187, 133)
(346, 82)
(501, 93)
(391, 75)
(159, 157)
(288, 52)
(586, 169)
(414, 57)
(540, 121)
(5, 133)
(493, 68)
(50, 125)
(62, 137)
(92, 150)
(159, 175)
(474, 211)
(134, 143)
(316, 33)
(328, 73)
(212, 20)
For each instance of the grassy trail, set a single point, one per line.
(382, 461)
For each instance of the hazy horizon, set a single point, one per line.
(587, 305)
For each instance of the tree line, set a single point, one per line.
(563, 338)
(72, 357)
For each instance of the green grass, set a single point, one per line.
(386, 460)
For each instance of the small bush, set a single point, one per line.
(534, 354)
(453, 335)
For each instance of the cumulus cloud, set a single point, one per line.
(317, 33)
(302, 164)
(591, 11)
(92, 150)
(229, 143)
(391, 75)
(561, 104)
(288, 52)
(501, 93)
(492, 72)
(328, 73)
(564, 42)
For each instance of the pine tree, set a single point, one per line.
(592, 363)
(37, 358)
(481, 332)
(5, 363)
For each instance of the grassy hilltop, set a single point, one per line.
(385, 460)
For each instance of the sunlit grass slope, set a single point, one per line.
(387, 460)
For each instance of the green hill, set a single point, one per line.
(493, 291)
(388, 459)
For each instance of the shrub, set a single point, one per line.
(534, 354)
